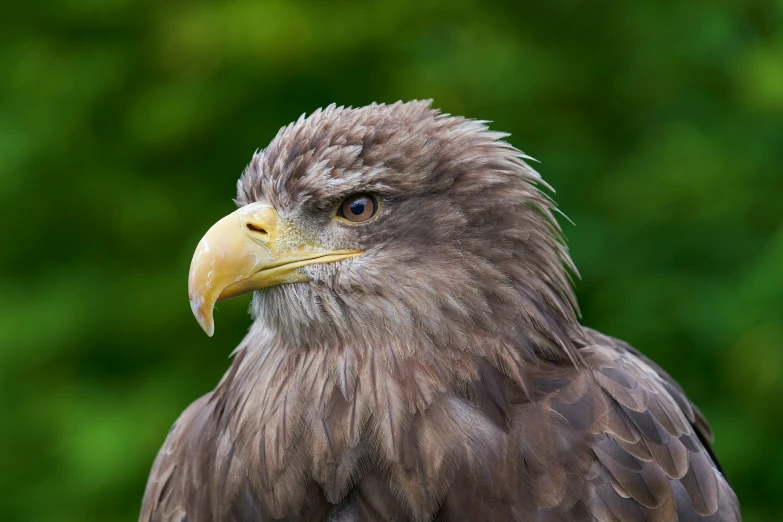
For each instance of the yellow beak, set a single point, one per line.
(242, 253)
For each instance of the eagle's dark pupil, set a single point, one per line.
(357, 207)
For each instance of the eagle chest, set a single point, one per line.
(391, 440)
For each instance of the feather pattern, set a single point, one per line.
(443, 375)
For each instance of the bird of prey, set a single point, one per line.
(416, 351)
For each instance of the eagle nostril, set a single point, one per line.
(256, 228)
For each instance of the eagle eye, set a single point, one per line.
(358, 208)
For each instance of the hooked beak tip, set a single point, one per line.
(203, 315)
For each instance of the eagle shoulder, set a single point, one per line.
(653, 454)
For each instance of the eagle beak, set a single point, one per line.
(242, 252)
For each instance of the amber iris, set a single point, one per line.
(358, 208)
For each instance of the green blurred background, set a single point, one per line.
(124, 126)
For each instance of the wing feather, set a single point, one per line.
(177, 479)
(655, 447)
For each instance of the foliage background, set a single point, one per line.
(124, 125)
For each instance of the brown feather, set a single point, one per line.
(443, 375)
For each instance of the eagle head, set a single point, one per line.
(391, 222)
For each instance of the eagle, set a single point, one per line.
(416, 351)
